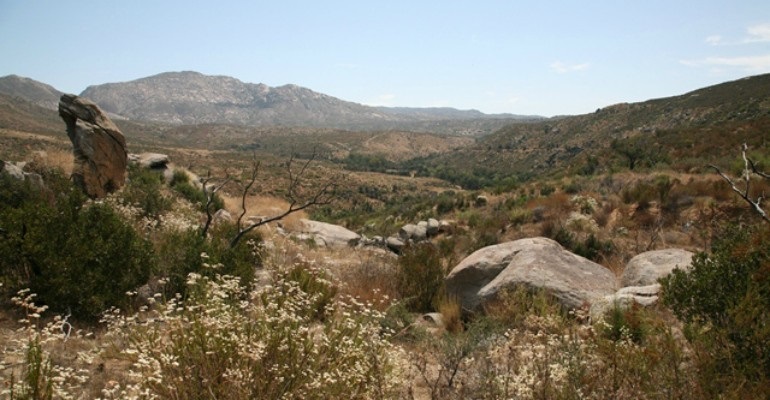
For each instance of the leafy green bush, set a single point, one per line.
(624, 324)
(75, 255)
(179, 254)
(180, 182)
(421, 277)
(725, 297)
(143, 190)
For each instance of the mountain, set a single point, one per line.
(448, 113)
(686, 131)
(39, 93)
(194, 98)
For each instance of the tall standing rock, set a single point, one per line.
(99, 147)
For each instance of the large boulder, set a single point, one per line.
(99, 146)
(330, 235)
(150, 160)
(533, 263)
(646, 268)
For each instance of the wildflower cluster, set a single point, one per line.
(30, 369)
(244, 344)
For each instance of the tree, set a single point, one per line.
(299, 194)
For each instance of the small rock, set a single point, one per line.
(394, 244)
(433, 226)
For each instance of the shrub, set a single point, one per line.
(228, 343)
(76, 256)
(316, 284)
(513, 306)
(724, 299)
(451, 311)
(143, 190)
(420, 277)
(624, 324)
(193, 194)
(179, 254)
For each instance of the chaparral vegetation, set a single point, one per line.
(329, 270)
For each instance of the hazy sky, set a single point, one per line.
(523, 57)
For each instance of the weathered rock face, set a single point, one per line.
(330, 235)
(98, 145)
(536, 263)
(646, 268)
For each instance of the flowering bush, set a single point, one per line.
(233, 343)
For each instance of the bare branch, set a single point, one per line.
(756, 171)
(323, 195)
(254, 173)
(210, 199)
(756, 204)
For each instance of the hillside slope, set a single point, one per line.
(708, 122)
(35, 92)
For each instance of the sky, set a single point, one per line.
(523, 57)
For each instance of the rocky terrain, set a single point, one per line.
(563, 284)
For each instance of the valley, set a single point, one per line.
(605, 187)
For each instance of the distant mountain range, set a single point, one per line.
(192, 98)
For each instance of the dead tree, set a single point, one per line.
(297, 194)
(749, 169)
(210, 192)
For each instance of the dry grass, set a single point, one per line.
(265, 206)
(55, 158)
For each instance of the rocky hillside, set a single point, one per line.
(31, 90)
(708, 122)
(194, 98)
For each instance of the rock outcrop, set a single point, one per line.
(329, 235)
(624, 299)
(646, 268)
(534, 263)
(416, 233)
(99, 146)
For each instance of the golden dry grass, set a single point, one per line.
(55, 158)
(266, 206)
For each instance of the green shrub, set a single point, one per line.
(143, 190)
(76, 256)
(724, 298)
(624, 324)
(420, 277)
(179, 254)
(193, 194)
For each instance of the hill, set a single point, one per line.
(39, 93)
(683, 131)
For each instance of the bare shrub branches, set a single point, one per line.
(749, 168)
(299, 193)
